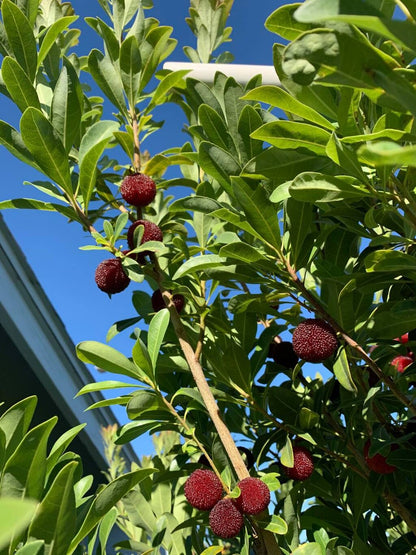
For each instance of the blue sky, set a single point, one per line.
(50, 244)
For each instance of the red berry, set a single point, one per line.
(158, 303)
(403, 338)
(110, 276)
(151, 232)
(225, 519)
(302, 464)
(377, 462)
(282, 353)
(401, 362)
(138, 189)
(203, 489)
(314, 340)
(254, 497)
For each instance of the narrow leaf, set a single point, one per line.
(342, 371)
(18, 84)
(156, 334)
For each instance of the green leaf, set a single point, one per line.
(403, 458)
(15, 422)
(390, 261)
(20, 36)
(218, 163)
(143, 401)
(55, 518)
(12, 140)
(107, 358)
(286, 454)
(284, 404)
(198, 264)
(308, 549)
(241, 251)
(169, 81)
(279, 98)
(52, 33)
(156, 334)
(248, 122)
(105, 500)
(282, 22)
(15, 515)
(298, 220)
(33, 204)
(388, 153)
(106, 527)
(215, 129)
(25, 470)
(32, 548)
(20, 87)
(61, 444)
(92, 146)
(274, 524)
(317, 187)
(392, 319)
(107, 78)
(67, 104)
(294, 135)
(46, 147)
(213, 550)
(156, 47)
(130, 67)
(107, 384)
(142, 358)
(342, 371)
(259, 211)
(308, 419)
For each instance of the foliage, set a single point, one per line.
(300, 201)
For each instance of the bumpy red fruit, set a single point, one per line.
(314, 340)
(203, 489)
(158, 303)
(110, 277)
(401, 362)
(225, 519)
(302, 464)
(377, 463)
(138, 189)
(254, 497)
(151, 232)
(282, 353)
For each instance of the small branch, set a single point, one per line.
(401, 510)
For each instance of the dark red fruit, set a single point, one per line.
(203, 489)
(282, 353)
(254, 497)
(138, 189)
(151, 232)
(158, 303)
(302, 464)
(377, 462)
(401, 362)
(225, 519)
(314, 340)
(110, 276)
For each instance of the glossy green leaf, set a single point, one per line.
(317, 187)
(105, 357)
(33, 204)
(342, 372)
(15, 515)
(157, 329)
(259, 211)
(61, 444)
(248, 122)
(108, 35)
(241, 251)
(142, 358)
(286, 454)
(106, 527)
(284, 404)
(274, 524)
(67, 104)
(52, 34)
(105, 500)
(91, 149)
(298, 220)
(198, 264)
(24, 472)
(308, 549)
(55, 518)
(388, 153)
(213, 550)
(390, 261)
(294, 135)
(279, 98)
(157, 46)
(345, 157)
(392, 319)
(282, 22)
(169, 81)
(12, 140)
(218, 163)
(46, 147)
(19, 85)
(130, 67)
(32, 548)
(143, 401)
(107, 78)
(215, 129)
(20, 36)
(15, 422)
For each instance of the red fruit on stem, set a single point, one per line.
(203, 489)
(225, 519)
(377, 463)
(158, 303)
(314, 340)
(138, 189)
(254, 497)
(151, 232)
(401, 362)
(110, 276)
(302, 464)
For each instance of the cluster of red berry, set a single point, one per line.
(204, 491)
(138, 190)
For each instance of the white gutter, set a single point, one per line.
(241, 72)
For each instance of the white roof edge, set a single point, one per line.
(29, 317)
(241, 72)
